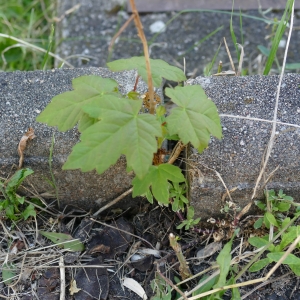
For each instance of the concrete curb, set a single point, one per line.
(23, 95)
(238, 156)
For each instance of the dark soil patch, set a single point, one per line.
(119, 246)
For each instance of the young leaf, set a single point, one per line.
(15, 182)
(65, 110)
(258, 223)
(271, 218)
(207, 286)
(223, 261)
(195, 118)
(289, 236)
(283, 206)
(190, 212)
(121, 130)
(157, 177)
(63, 240)
(291, 259)
(258, 265)
(8, 272)
(295, 269)
(258, 242)
(159, 69)
(29, 211)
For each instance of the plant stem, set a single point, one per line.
(176, 152)
(169, 282)
(141, 34)
(183, 268)
(116, 200)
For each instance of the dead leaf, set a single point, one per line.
(73, 287)
(135, 287)
(209, 250)
(111, 241)
(29, 135)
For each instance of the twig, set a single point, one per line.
(141, 34)
(112, 202)
(183, 267)
(119, 32)
(176, 152)
(62, 278)
(167, 280)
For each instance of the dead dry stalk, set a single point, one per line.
(141, 34)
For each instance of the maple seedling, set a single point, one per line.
(111, 125)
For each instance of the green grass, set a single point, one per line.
(27, 21)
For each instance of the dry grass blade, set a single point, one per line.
(125, 25)
(62, 278)
(229, 55)
(239, 71)
(29, 135)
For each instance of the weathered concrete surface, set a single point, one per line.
(238, 156)
(23, 95)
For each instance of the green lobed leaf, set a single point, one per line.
(258, 265)
(64, 240)
(195, 118)
(157, 178)
(121, 130)
(159, 69)
(65, 110)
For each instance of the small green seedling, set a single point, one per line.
(11, 202)
(111, 125)
(177, 194)
(190, 222)
(274, 210)
(275, 206)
